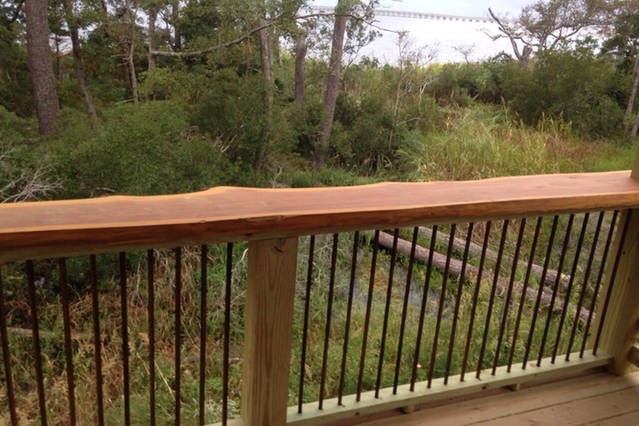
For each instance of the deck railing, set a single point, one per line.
(334, 302)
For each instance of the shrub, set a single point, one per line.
(24, 174)
(574, 86)
(145, 149)
(233, 112)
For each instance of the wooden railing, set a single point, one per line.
(528, 269)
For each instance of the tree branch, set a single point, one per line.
(255, 30)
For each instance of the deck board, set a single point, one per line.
(598, 398)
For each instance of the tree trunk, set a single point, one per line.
(475, 250)
(130, 55)
(175, 16)
(44, 90)
(332, 82)
(77, 59)
(455, 266)
(300, 57)
(153, 15)
(133, 75)
(635, 127)
(267, 64)
(635, 85)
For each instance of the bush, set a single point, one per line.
(145, 149)
(233, 112)
(24, 174)
(574, 86)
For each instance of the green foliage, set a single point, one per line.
(233, 113)
(15, 81)
(149, 149)
(461, 83)
(25, 175)
(574, 86)
(379, 113)
(484, 141)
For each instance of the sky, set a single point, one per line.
(445, 39)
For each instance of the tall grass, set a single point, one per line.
(484, 141)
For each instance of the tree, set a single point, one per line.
(546, 25)
(624, 46)
(357, 13)
(44, 90)
(72, 23)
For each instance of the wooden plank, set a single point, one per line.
(631, 418)
(578, 412)
(484, 409)
(270, 297)
(388, 401)
(62, 228)
(618, 333)
(634, 355)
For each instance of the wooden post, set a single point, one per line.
(623, 307)
(617, 335)
(267, 334)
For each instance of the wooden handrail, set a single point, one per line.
(61, 228)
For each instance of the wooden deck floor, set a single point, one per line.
(591, 399)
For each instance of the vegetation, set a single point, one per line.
(200, 93)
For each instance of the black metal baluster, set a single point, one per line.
(584, 286)
(442, 300)
(97, 342)
(178, 333)
(422, 313)
(491, 302)
(6, 357)
(573, 271)
(593, 301)
(204, 257)
(473, 308)
(150, 264)
(68, 344)
(506, 309)
(524, 291)
(409, 277)
(562, 257)
(460, 289)
(369, 302)
(125, 339)
(540, 290)
(36, 343)
(329, 314)
(389, 294)
(227, 332)
(613, 276)
(307, 301)
(347, 325)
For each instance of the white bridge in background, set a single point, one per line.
(414, 15)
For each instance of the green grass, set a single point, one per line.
(484, 141)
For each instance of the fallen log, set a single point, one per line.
(474, 250)
(455, 266)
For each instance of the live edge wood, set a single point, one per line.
(61, 228)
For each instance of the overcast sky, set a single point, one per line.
(445, 37)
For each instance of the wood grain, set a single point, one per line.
(368, 404)
(618, 334)
(487, 409)
(633, 357)
(270, 296)
(62, 228)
